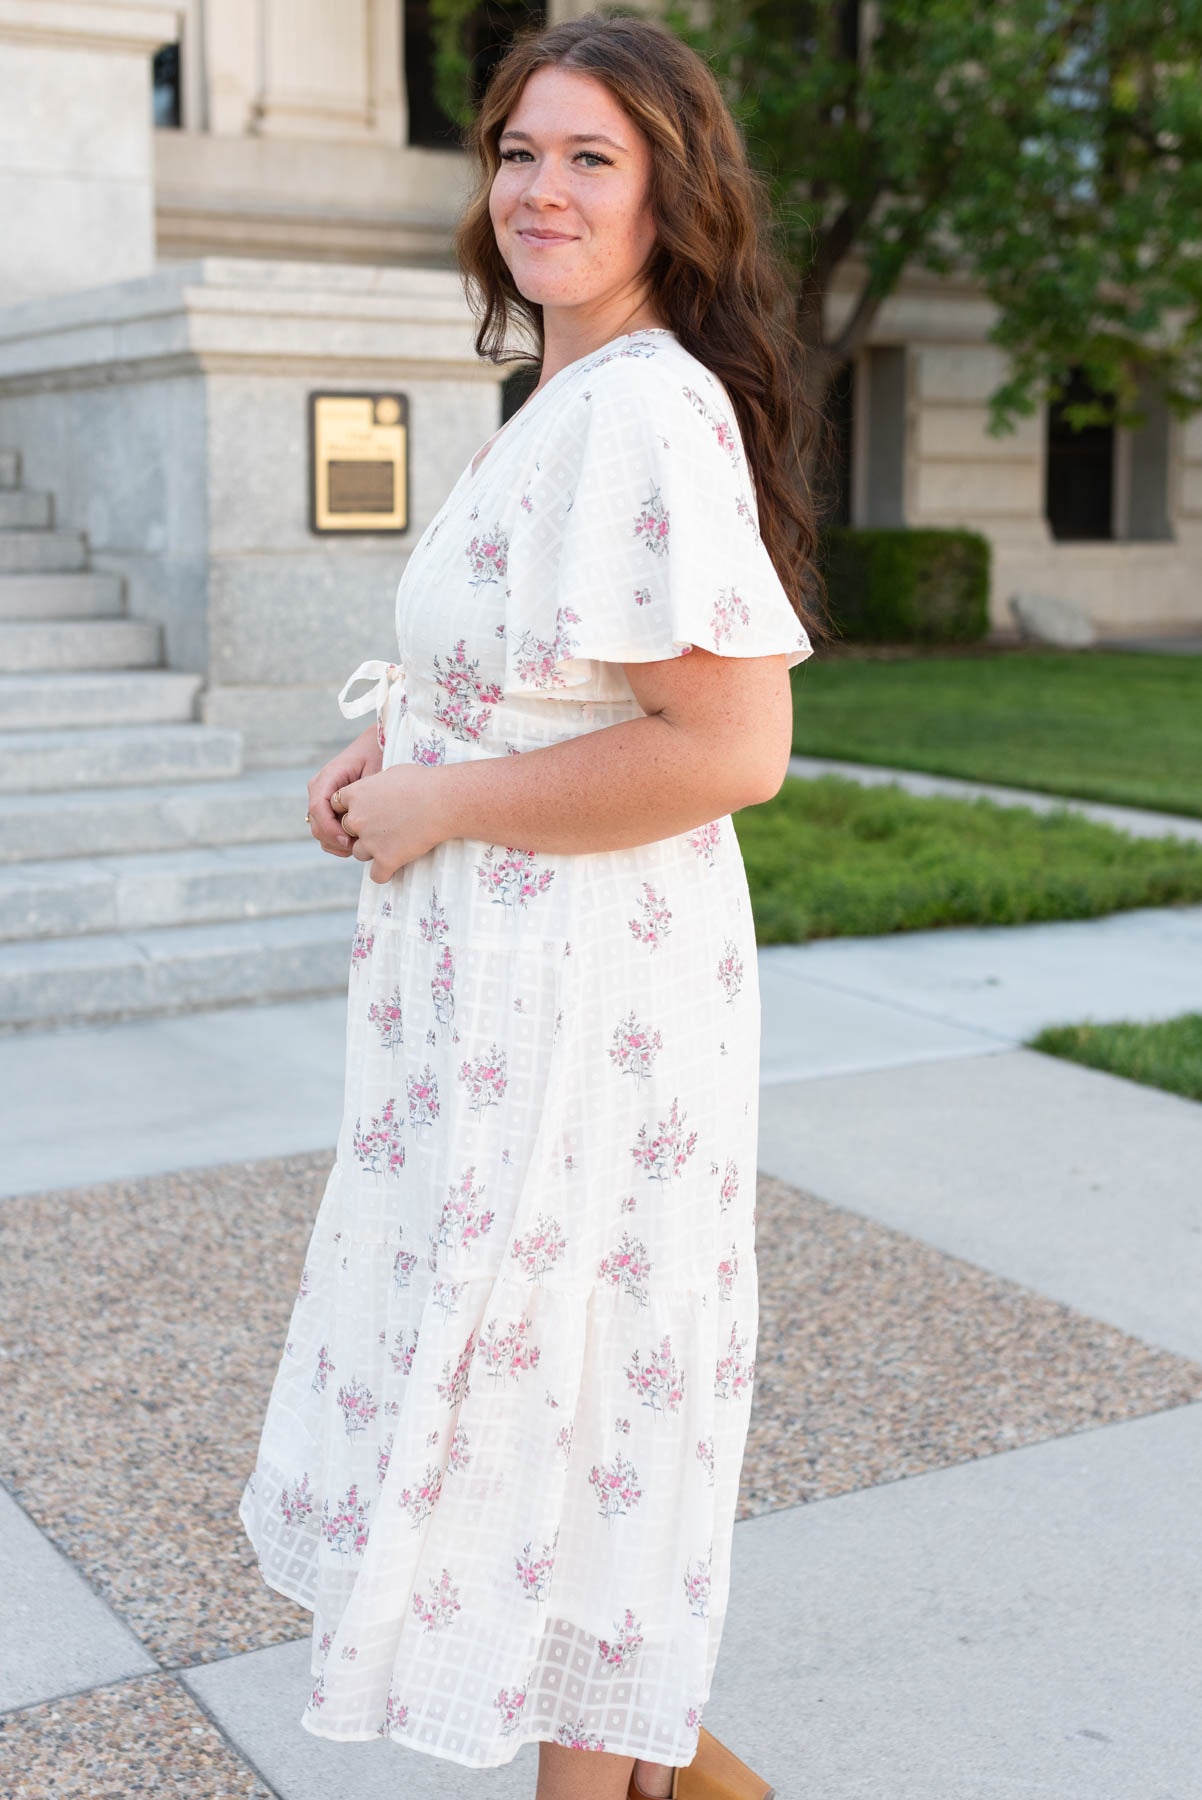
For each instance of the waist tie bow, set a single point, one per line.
(379, 695)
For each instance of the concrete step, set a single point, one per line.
(62, 595)
(79, 644)
(202, 885)
(254, 807)
(10, 468)
(24, 552)
(123, 697)
(41, 762)
(175, 968)
(21, 507)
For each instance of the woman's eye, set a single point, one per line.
(595, 155)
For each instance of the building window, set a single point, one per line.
(885, 409)
(487, 34)
(1080, 468)
(165, 89)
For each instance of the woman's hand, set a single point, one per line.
(393, 817)
(361, 758)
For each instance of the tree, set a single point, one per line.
(467, 39)
(1048, 153)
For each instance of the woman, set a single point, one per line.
(502, 1454)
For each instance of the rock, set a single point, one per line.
(1047, 619)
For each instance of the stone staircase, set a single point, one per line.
(142, 868)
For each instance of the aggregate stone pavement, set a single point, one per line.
(882, 1362)
(968, 1559)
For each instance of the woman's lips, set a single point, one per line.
(543, 243)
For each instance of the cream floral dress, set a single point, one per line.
(501, 1457)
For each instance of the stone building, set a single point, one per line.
(212, 210)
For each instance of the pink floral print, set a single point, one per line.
(506, 1351)
(464, 701)
(653, 919)
(735, 1368)
(627, 1268)
(358, 1406)
(463, 1221)
(484, 1078)
(616, 1486)
(438, 1605)
(618, 1652)
(661, 1153)
(453, 1387)
(296, 1503)
(656, 1378)
(537, 658)
(512, 880)
(534, 1570)
(379, 1146)
(486, 555)
(634, 1047)
(386, 1016)
(344, 1523)
(419, 1501)
(697, 1587)
(509, 1702)
(651, 524)
(540, 1249)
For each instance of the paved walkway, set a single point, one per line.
(970, 1562)
(1137, 820)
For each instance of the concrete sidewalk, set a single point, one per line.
(157, 1095)
(1139, 821)
(969, 1559)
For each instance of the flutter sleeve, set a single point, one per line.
(637, 537)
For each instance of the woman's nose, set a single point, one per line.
(545, 184)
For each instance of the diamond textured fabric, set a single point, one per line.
(501, 1456)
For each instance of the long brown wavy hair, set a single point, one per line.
(715, 275)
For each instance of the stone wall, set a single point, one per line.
(168, 416)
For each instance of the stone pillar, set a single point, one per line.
(169, 418)
(76, 142)
(331, 75)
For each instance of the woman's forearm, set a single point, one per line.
(610, 789)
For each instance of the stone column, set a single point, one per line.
(169, 418)
(76, 142)
(333, 74)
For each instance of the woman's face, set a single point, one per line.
(573, 164)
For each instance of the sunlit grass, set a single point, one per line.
(1098, 725)
(830, 858)
(1167, 1054)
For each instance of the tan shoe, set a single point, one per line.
(715, 1773)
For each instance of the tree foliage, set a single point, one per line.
(1046, 153)
(452, 25)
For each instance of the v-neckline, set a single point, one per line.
(471, 473)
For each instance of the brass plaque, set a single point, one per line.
(358, 462)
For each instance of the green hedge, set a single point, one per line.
(890, 586)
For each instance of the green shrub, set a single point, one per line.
(891, 586)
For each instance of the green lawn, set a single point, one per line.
(1164, 1055)
(829, 858)
(1100, 725)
